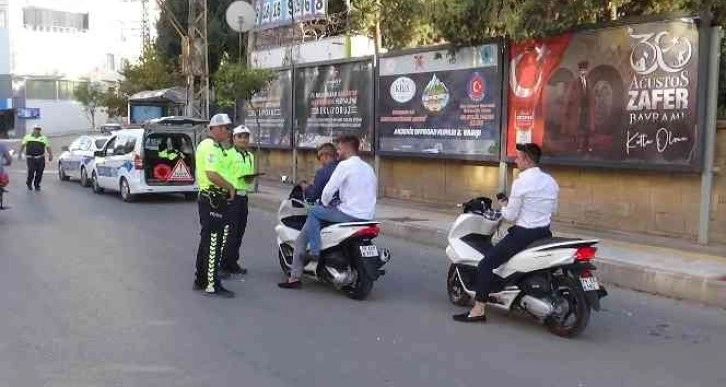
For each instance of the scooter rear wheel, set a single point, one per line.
(457, 294)
(576, 314)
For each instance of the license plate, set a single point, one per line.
(368, 251)
(589, 283)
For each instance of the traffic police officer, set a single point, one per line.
(215, 193)
(242, 163)
(35, 146)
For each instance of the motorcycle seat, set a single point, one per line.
(552, 240)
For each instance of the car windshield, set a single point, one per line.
(100, 143)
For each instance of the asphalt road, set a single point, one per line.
(97, 292)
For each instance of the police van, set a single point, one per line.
(157, 158)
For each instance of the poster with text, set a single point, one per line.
(270, 115)
(441, 103)
(622, 96)
(334, 100)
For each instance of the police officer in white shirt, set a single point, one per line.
(532, 203)
(356, 184)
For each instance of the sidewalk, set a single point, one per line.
(680, 270)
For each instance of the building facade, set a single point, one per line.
(50, 47)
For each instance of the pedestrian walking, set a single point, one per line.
(215, 194)
(35, 145)
(243, 164)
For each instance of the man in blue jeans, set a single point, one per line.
(356, 186)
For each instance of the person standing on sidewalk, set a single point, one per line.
(533, 201)
(243, 168)
(215, 194)
(35, 146)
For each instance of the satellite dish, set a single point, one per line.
(241, 16)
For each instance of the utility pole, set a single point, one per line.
(145, 31)
(198, 60)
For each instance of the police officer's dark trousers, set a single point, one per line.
(212, 213)
(237, 222)
(516, 240)
(36, 166)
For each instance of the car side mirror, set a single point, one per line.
(99, 153)
(64, 149)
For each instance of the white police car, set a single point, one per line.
(155, 159)
(75, 160)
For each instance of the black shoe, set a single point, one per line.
(220, 292)
(224, 274)
(238, 270)
(464, 317)
(198, 287)
(30, 187)
(290, 285)
(37, 188)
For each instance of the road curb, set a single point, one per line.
(631, 276)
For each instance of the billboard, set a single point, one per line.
(445, 103)
(270, 116)
(618, 96)
(332, 100)
(278, 13)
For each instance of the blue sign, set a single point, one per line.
(277, 13)
(29, 113)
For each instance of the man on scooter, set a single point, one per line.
(532, 203)
(356, 185)
(328, 159)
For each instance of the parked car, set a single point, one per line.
(156, 159)
(75, 160)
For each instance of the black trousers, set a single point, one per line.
(211, 245)
(517, 239)
(36, 166)
(237, 222)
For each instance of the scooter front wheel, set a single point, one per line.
(457, 293)
(282, 252)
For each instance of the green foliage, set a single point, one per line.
(115, 103)
(221, 38)
(234, 81)
(152, 72)
(403, 23)
(91, 96)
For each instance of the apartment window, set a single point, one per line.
(41, 89)
(48, 20)
(110, 62)
(66, 89)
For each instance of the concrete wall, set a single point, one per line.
(717, 228)
(60, 117)
(641, 202)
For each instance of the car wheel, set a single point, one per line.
(125, 191)
(84, 177)
(62, 173)
(94, 184)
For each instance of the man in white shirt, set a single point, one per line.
(356, 184)
(532, 203)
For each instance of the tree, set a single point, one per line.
(152, 72)
(235, 81)
(221, 38)
(403, 23)
(91, 96)
(116, 104)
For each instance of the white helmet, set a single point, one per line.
(220, 119)
(242, 129)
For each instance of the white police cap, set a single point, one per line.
(220, 119)
(242, 129)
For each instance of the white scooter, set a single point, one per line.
(551, 280)
(349, 260)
